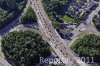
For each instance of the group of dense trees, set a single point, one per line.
(54, 9)
(88, 46)
(9, 9)
(28, 17)
(24, 47)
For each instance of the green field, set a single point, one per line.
(83, 34)
(67, 19)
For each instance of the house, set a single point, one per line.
(79, 7)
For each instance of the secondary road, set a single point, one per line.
(53, 38)
(3, 61)
(88, 24)
(6, 29)
(94, 12)
(13, 23)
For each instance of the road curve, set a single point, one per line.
(13, 23)
(53, 38)
(6, 29)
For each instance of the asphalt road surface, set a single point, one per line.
(13, 23)
(54, 39)
(6, 29)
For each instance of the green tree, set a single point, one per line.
(29, 16)
(9, 10)
(88, 46)
(24, 47)
(56, 25)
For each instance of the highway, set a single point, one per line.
(53, 38)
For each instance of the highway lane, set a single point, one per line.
(49, 31)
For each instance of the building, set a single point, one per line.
(79, 7)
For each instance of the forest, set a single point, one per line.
(24, 48)
(54, 9)
(88, 46)
(9, 10)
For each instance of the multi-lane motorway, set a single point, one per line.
(53, 38)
